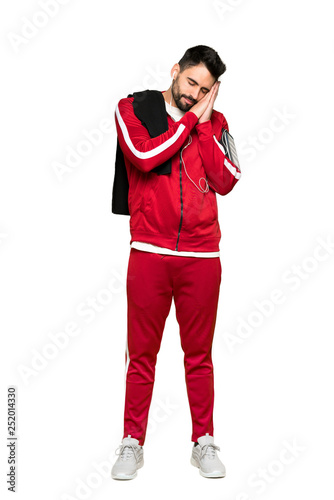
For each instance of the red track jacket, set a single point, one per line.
(169, 210)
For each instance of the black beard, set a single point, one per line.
(177, 98)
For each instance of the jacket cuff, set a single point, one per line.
(189, 120)
(204, 130)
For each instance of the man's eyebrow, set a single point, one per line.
(194, 81)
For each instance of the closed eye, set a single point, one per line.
(193, 83)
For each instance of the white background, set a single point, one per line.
(60, 247)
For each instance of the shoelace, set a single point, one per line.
(127, 451)
(209, 450)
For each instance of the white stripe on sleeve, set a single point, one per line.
(229, 165)
(152, 152)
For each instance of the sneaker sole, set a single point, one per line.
(124, 477)
(206, 474)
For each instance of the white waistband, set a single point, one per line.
(148, 247)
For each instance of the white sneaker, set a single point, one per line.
(131, 458)
(204, 456)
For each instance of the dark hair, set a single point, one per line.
(205, 55)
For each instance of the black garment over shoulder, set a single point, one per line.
(149, 107)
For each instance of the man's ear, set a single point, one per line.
(175, 71)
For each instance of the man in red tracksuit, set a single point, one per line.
(174, 253)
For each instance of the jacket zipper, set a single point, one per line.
(178, 236)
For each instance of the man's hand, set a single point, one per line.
(208, 112)
(203, 109)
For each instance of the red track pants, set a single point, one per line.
(152, 280)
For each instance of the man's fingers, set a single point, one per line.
(205, 105)
(214, 90)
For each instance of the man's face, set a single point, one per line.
(191, 85)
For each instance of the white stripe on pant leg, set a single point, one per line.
(127, 361)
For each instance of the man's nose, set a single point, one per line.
(195, 94)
